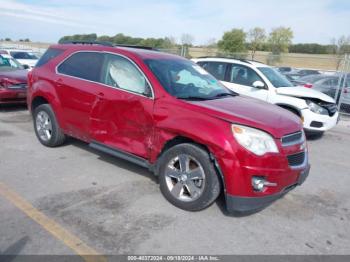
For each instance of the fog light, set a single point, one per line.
(259, 183)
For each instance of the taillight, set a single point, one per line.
(30, 78)
(308, 85)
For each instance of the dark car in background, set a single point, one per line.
(285, 69)
(295, 75)
(294, 78)
(13, 81)
(329, 84)
(307, 72)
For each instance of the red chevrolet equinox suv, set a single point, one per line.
(167, 114)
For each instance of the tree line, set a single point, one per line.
(166, 42)
(278, 41)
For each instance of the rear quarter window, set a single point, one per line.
(84, 65)
(50, 54)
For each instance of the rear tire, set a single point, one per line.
(46, 127)
(188, 178)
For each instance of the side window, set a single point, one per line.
(202, 64)
(123, 74)
(328, 82)
(85, 65)
(50, 53)
(4, 61)
(243, 75)
(216, 69)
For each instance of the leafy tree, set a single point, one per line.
(340, 47)
(187, 39)
(256, 38)
(84, 37)
(121, 39)
(8, 39)
(280, 39)
(233, 41)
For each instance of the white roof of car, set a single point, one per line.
(5, 56)
(231, 60)
(17, 50)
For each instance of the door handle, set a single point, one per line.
(59, 82)
(100, 95)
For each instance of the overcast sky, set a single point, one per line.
(48, 20)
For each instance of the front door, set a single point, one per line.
(240, 79)
(122, 117)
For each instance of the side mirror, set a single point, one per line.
(26, 66)
(258, 84)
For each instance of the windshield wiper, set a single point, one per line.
(224, 95)
(198, 98)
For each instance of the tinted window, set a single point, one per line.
(217, 69)
(275, 77)
(122, 73)
(48, 55)
(186, 80)
(22, 55)
(86, 65)
(9, 63)
(243, 75)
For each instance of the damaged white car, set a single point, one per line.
(318, 111)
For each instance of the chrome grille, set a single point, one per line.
(18, 86)
(296, 159)
(331, 108)
(293, 139)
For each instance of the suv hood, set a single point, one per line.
(254, 113)
(303, 92)
(16, 75)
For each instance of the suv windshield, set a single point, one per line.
(9, 64)
(275, 77)
(23, 55)
(186, 80)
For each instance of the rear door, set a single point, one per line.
(77, 81)
(122, 117)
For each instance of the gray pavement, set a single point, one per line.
(116, 207)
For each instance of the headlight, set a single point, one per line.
(254, 140)
(316, 108)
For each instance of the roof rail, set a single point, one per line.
(227, 57)
(248, 61)
(106, 44)
(244, 60)
(87, 43)
(137, 46)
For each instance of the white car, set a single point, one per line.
(27, 58)
(317, 110)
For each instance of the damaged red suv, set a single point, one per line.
(13, 81)
(165, 113)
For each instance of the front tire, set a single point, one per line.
(46, 126)
(188, 178)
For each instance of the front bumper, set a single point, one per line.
(238, 204)
(317, 122)
(11, 96)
